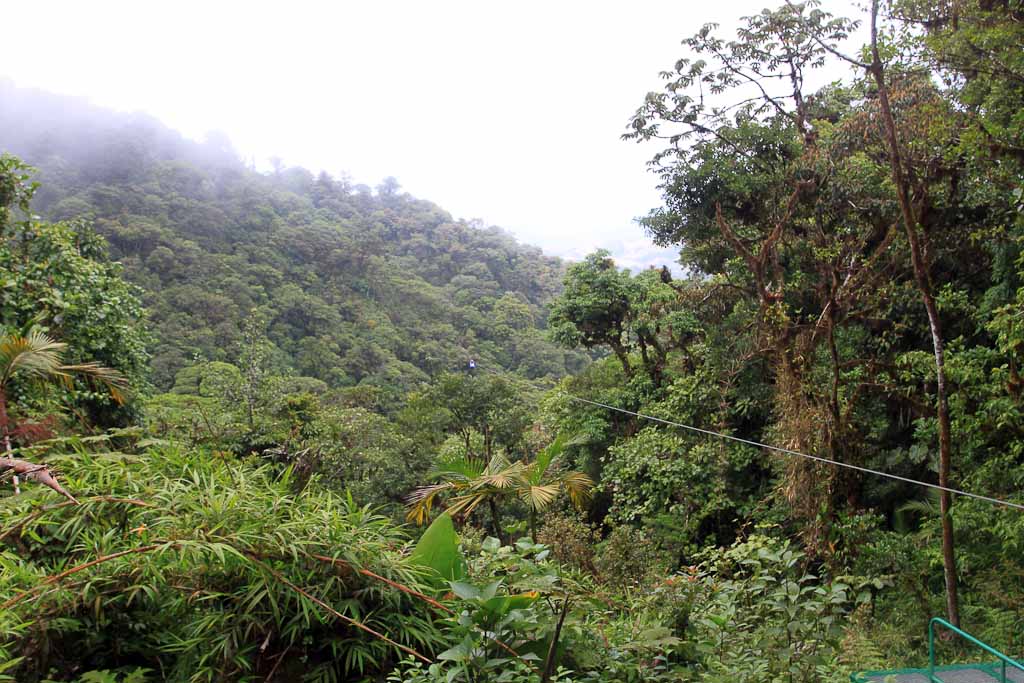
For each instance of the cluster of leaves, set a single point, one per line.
(751, 612)
(203, 569)
(294, 424)
(475, 481)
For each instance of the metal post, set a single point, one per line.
(931, 651)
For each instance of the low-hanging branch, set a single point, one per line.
(37, 472)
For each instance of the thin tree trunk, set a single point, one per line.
(923, 281)
(6, 428)
(550, 660)
(496, 521)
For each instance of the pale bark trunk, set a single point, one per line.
(921, 277)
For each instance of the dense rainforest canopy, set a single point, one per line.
(355, 286)
(244, 441)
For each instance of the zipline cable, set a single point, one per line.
(787, 451)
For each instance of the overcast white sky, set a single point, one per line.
(509, 112)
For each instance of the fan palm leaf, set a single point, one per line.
(473, 484)
(500, 474)
(539, 497)
(462, 466)
(421, 500)
(34, 354)
(38, 356)
(465, 504)
(115, 383)
(539, 468)
(579, 487)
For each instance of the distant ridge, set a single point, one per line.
(358, 287)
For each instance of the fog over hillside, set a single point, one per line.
(631, 248)
(355, 285)
(509, 115)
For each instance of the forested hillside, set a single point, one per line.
(354, 285)
(778, 466)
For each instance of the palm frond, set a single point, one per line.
(465, 504)
(529, 482)
(35, 354)
(421, 501)
(546, 456)
(464, 466)
(579, 487)
(498, 462)
(538, 498)
(38, 356)
(508, 477)
(113, 380)
(928, 506)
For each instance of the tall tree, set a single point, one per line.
(640, 318)
(759, 185)
(487, 404)
(914, 202)
(916, 180)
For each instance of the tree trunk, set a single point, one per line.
(551, 659)
(923, 281)
(5, 427)
(496, 521)
(623, 356)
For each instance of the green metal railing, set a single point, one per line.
(1003, 659)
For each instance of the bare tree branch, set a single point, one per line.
(39, 473)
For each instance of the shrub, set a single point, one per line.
(204, 569)
(571, 540)
(629, 558)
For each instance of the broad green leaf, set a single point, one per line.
(464, 591)
(439, 549)
(460, 652)
(490, 590)
(502, 605)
